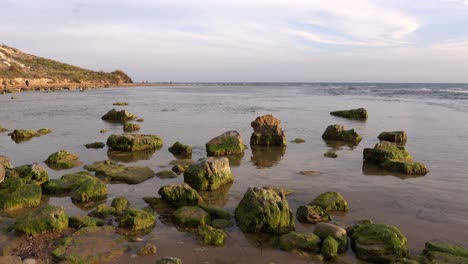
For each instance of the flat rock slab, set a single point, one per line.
(119, 173)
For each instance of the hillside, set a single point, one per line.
(25, 71)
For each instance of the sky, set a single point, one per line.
(248, 40)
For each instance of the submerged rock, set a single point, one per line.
(359, 113)
(63, 160)
(169, 260)
(208, 174)
(84, 221)
(298, 141)
(180, 165)
(394, 136)
(191, 216)
(300, 241)
(95, 145)
(445, 253)
(229, 143)
(211, 236)
(338, 133)
(394, 158)
(120, 103)
(329, 248)
(2, 129)
(263, 210)
(130, 127)
(267, 132)
(312, 214)
(331, 154)
(331, 201)
(19, 193)
(180, 195)
(324, 230)
(120, 204)
(137, 219)
(103, 211)
(19, 135)
(118, 116)
(166, 174)
(179, 149)
(133, 142)
(46, 219)
(221, 223)
(216, 212)
(119, 173)
(148, 250)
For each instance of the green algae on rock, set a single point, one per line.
(394, 136)
(392, 157)
(324, 230)
(103, 211)
(298, 141)
(180, 165)
(147, 250)
(180, 195)
(16, 193)
(130, 127)
(445, 253)
(338, 133)
(330, 154)
(229, 143)
(312, 214)
(216, 212)
(119, 173)
(133, 142)
(120, 204)
(169, 260)
(300, 241)
(91, 245)
(20, 135)
(208, 174)
(267, 132)
(191, 216)
(166, 174)
(329, 248)
(84, 221)
(118, 116)
(181, 150)
(211, 236)
(331, 201)
(46, 219)
(63, 159)
(137, 219)
(359, 113)
(95, 145)
(33, 173)
(263, 210)
(120, 103)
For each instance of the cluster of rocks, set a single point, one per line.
(20, 135)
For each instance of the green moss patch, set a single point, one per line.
(46, 219)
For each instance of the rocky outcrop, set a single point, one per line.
(399, 137)
(331, 201)
(338, 133)
(267, 132)
(121, 116)
(181, 150)
(229, 143)
(33, 173)
(62, 160)
(114, 172)
(263, 210)
(180, 195)
(133, 142)
(208, 174)
(46, 219)
(359, 113)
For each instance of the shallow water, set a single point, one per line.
(428, 208)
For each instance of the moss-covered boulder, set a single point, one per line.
(131, 127)
(137, 219)
(300, 241)
(133, 142)
(46, 219)
(324, 230)
(120, 204)
(208, 174)
(264, 210)
(166, 174)
(267, 132)
(378, 243)
(114, 172)
(330, 154)
(392, 157)
(91, 245)
(62, 160)
(331, 201)
(169, 260)
(180, 165)
(211, 236)
(33, 173)
(338, 133)
(216, 212)
(104, 211)
(329, 248)
(121, 116)
(191, 216)
(229, 143)
(95, 145)
(312, 214)
(16, 193)
(180, 150)
(445, 253)
(393, 136)
(359, 113)
(84, 221)
(180, 195)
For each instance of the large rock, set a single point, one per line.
(392, 157)
(180, 195)
(118, 116)
(181, 150)
(331, 201)
(359, 113)
(300, 241)
(338, 133)
(267, 132)
(33, 173)
(63, 160)
(324, 230)
(378, 243)
(191, 216)
(229, 143)
(312, 214)
(18, 193)
(114, 172)
(133, 142)
(264, 210)
(394, 136)
(137, 219)
(208, 174)
(46, 219)
(445, 253)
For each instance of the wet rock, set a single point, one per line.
(300, 241)
(221, 223)
(157, 203)
(208, 174)
(378, 243)
(119, 173)
(148, 250)
(298, 141)
(394, 136)
(324, 230)
(280, 190)
(62, 160)
(330, 154)
(211, 236)
(120, 103)
(191, 216)
(120, 204)
(84, 221)
(103, 211)
(216, 212)
(33, 173)
(180, 194)
(166, 174)
(263, 210)
(118, 116)
(329, 248)
(331, 201)
(46, 219)
(140, 120)
(20, 135)
(133, 142)
(229, 143)
(394, 158)
(180, 166)
(18, 193)
(5, 161)
(169, 260)
(137, 219)
(445, 253)
(95, 145)
(338, 133)
(181, 150)
(267, 132)
(91, 245)
(359, 113)
(130, 127)
(44, 131)
(312, 214)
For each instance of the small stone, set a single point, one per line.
(298, 141)
(179, 149)
(359, 113)
(330, 154)
(95, 145)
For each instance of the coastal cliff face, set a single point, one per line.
(22, 71)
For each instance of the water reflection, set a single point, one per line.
(218, 197)
(235, 160)
(371, 169)
(335, 145)
(126, 157)
(266, 157)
